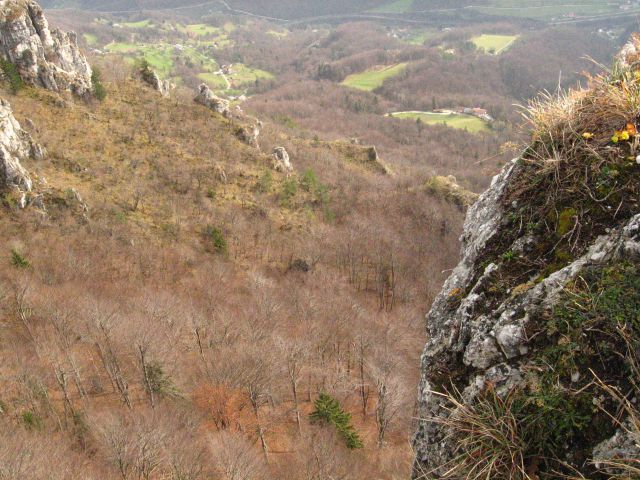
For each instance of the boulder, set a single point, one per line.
(42, 57)
(281, 162)
(150, 77)
(249, 134)
(210, 100)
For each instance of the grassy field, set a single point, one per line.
(397, 6)
(216, 82)
(278, 34)
(121, 47)
(243, 75)
(454, 120)
(199, 29)
(495, 44)
(418, 37)
(160, 56)
(140, 24)
(90, 38)
(373, 78)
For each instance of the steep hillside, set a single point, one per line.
(178, 296)
(531, 365)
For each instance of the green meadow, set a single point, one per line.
(464, 122)
(374, 77)
(495, 44)
(397, 6)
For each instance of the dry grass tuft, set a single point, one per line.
(489, 444)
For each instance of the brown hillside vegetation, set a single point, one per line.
(180, 306)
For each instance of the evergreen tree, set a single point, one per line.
(328, 409)
(12, 75)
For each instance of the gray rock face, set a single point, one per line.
(210, 100)
(479, 345)
(249, 134)
(281, 161)
(15, 144)
(625, 444)
(43, 57)
(151, 77)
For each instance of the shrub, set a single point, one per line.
(13, 76)
(98, 89)
(18, 261)
(309, 181)
(328, 410)
(159, 382)
(31, 421)
(289, 190)
(215, 240)
(266, 181)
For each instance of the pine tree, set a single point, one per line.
(328, 409)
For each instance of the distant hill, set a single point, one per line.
(282, 9)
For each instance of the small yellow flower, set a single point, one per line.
(615, 139)
(624, 135)
(587, 135)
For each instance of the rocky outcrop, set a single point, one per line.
(42, 57)
(210, 100)
(151, 78)
(281, 161)
(447, 188)
(364, 155)
(539, 318)
(15, 145)
(630, 53)
(249, 134)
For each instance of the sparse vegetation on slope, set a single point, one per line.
(194, 303)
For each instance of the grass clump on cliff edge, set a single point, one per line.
(578, 178)
(580, 173)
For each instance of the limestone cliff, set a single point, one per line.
(42, 57)
(531, 364)
(15, 145)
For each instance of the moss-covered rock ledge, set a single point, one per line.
(531, 368)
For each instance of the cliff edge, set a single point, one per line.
(531, 364)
